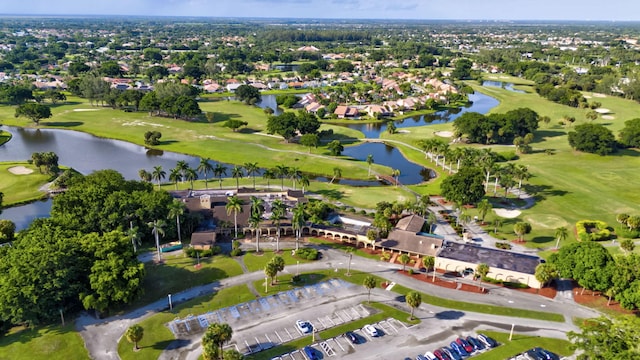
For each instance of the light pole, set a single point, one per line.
(170, 303)
(349, 265)
(297, 267)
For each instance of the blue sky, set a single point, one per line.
(350, 9)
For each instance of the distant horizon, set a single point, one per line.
(459, 20)
(484, 10)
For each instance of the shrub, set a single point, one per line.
(386, 256)
(236, 252)
(507, 156)
(307, 253)
(503, 246)
(624, 232)
(192, 253)
(410, 271)
(296, 278)
(592, 230)
(363, 212)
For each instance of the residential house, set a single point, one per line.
(344, 111)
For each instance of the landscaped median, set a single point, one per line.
(50, 342)
(521, 343)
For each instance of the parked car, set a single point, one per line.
(452, 353)
(477, 344)
(549, 354)
(441, 355)
(430, 356)
(308, 351)
(371, 330)
(352, 337)
(489, 342)
(465, 344)
(304, 326)
(534, 355)
(459, 349)
(543, 354)
(420, 357)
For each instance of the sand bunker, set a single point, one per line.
(83, 110)
(403, 131)
(509, 214)
(602, 111)
(608, 117)
(20, 170)
(599, 95)
(142, 123)
(446, 134)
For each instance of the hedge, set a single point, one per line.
(603, 232)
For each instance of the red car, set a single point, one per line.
(441, 355)
(465, 344)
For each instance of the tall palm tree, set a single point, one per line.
(395, 173)
(257, 209)
(520, 174)
(204, 167)
(337, 174)
(191, 175)
(182, 166)
(561, 234)
(133, 233)
(369, 162)
(278, 210)
(252, 170)
(219, 170)
(282, 171)
(157, 229)
(484, 206)
(175, 176)
(304, 182)
(144, 175)
(158, 174)
(176, 209)
(269, 174)
(298, 221)
(234, 204)
(237, 173)
(294, 175)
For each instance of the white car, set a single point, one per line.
(303, 326)
(430, 356)
(371, 330)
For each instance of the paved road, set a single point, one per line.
(101, 336)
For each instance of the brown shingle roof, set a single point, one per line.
(411, 242)
(411, 223)
(203, 238)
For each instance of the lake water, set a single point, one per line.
(500, 84)
(87, 153)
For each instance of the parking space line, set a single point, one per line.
(338, 343)
(347, 315)
(248, 347)
(269, 340)
(393, 327)
(288, 333)
(278, 335)
(357, 314)
(330, 321)
(258, 344)
(322, 323)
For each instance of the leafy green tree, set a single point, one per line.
(337, 174)
(134, 334)
(279, 264)
(630, 134)
(482, 270)
(7, 229)
(111, 68)
(465, 186)
(234, 205)
(627, 245)
(606, 338)
(310, 140)
(235, 124)
(414, 299)
(35, 112)
(587, 262)
(271, 270)
(16, 94)
(545, 272)
(284, 125)
(429, 262)
(404, 260)
(592, 138)
(248, 94)
(462, 69)
(335, 148)
(369, 283)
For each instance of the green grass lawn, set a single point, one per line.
(179, 273)
(344, 247)
(157, 336)
(5, 136)
(257, 262)
(50, 342)
(21, 188)
(521, 343)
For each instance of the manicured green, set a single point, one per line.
(520, 343)
(21, 188)
(256, 262)
(157, 336)
(5, 136)
(50, 342)
(179, 273)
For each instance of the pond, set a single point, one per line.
(500, 84)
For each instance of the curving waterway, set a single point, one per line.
(87, 153)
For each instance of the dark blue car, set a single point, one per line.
(310, 353)
(477, 344)
(459, 349)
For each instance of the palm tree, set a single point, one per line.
(561, 234)
(215, 337)
(282, 171)
(395, 173)
(278, 210)
(176, 209)
(158, 174)
(219, 170)
(257, 209)
(157, 229)
(484, 206)
(144, 175)
(521, 173)
(298, 221)
(432, 220)
(133, 233)
(337, 174)
(294, 175)
(204, 167)
(304, 182)
(268, 174)
(234, 204)
(134, 334)
(414, 299)
(191, 175)
(404, 260)
(175, 176)
(182, 166)
(252, 169)
(369, 162)
(237, 173)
